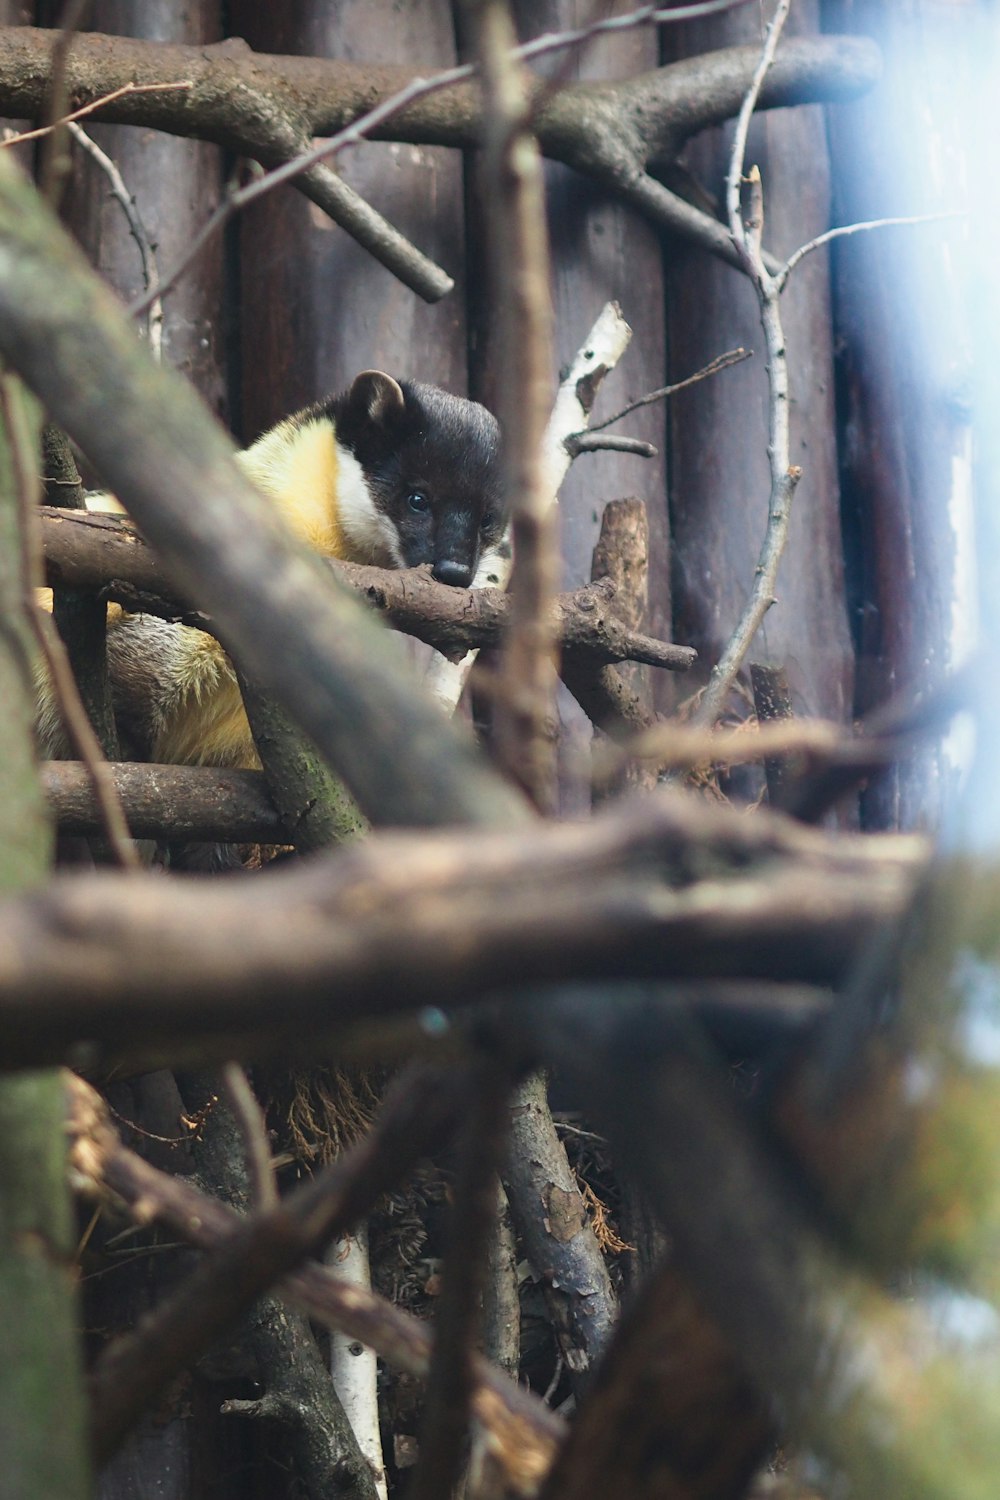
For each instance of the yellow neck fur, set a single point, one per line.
(297, 467)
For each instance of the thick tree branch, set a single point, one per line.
(132, 967)
(104, 552)
(670, 1412)
(878, 1387)
(558, 1238)
(618, 702)
(613, 132)
(196, 804)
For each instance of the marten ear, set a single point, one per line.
(376, 398)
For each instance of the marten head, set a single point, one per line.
(430, 464)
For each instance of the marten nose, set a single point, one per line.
(457, 574)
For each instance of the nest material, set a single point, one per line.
(323, 1111)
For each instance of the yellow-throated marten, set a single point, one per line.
(389, 472)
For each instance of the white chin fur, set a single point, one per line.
(366, 528)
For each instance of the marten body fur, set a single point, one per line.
(390, 472)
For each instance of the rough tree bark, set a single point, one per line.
(41, 1397)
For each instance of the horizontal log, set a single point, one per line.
(255, 104)
(104, 553)
(182, 803)
(138, 967)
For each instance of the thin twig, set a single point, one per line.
(905, 718)
(126, 200)
(746, 231)
(250, 1118)
(95, 104)
(781, 277)
(417, 89)
(83, 738)
(78, 725)
(731, 357)
(219, 216)
(739, 147)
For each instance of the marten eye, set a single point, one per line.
(418, 500)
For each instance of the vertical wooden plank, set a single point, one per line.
(316, 308)
(719, 476)
(904, 371)
(176, 184)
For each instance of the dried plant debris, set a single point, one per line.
(318, 1112)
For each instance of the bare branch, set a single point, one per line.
(739, 147)
(731, 357)
(53, 651)
(899, 721)
(347, 208)
(680, 746)
(423, 88)
(781, 276)
(641, 121)
(596, 442)
(184, 803)
(106, 554)
(12, 139)
(559, 1240)
(746, 231)
(129, 207)
(523, 1432)
(138, 968)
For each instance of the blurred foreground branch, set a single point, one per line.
(133, 967)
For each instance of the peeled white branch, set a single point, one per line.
(604, 347)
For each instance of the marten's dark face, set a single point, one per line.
(432, 465)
